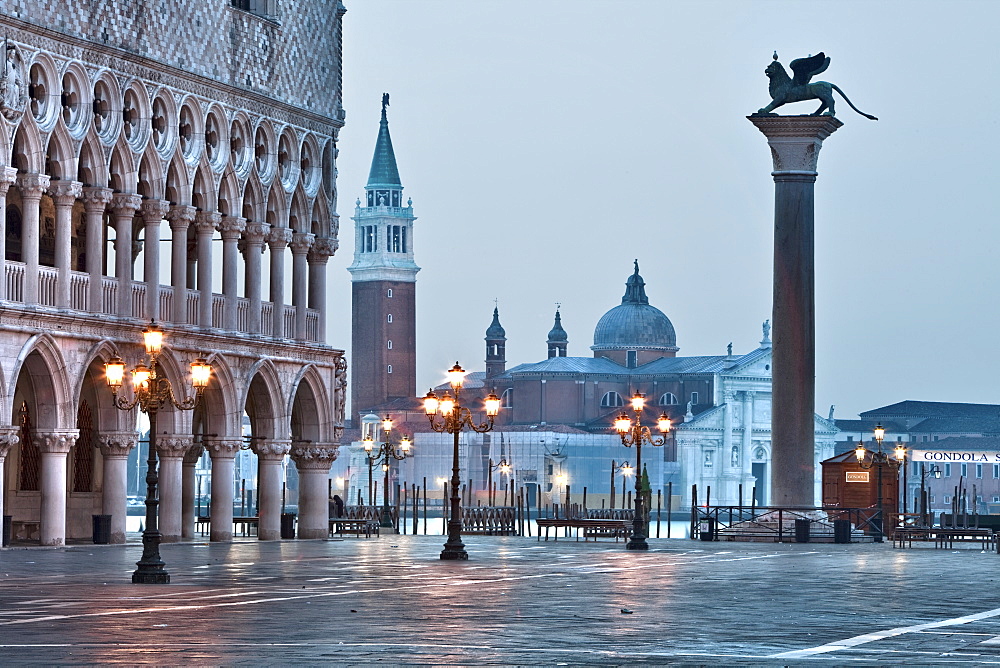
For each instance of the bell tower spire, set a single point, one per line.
(557, 338)
(383, 285)
(496, 342)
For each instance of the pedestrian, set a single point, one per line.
(337, 506)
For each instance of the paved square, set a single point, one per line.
(517, 601)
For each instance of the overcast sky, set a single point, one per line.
(547, 143)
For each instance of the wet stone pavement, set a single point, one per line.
(516, 601)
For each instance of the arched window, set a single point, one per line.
(668, 399)
(388, 293)
(388, 369)
(388, 345)
(507, 398)
(388, 318)
(612, 400)
(694, 398)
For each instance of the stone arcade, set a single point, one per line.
(130, 154)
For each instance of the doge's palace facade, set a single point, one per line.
(174, 162)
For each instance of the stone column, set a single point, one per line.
(300, 280)
(205, 224)
(64, 195)
(9, 436)
(180, 217)
(223, 454)
(795, 142)
(54, 446)
(153, 211)
(189, 490)
(171, 449)
(231, 229)
(95, 200)
(270, 455)
(322, 250)
(313, 464)
(277, 240)
(124, 206)
(746, 456)
(115, 448)
(8, 175)
(32, 186)
(254, 235)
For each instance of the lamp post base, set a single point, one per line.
(454, 552)
(637, 543)
(158, 577)
(386, 519)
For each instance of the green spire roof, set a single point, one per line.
(384, 172)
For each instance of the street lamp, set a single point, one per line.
(153, 392)
(636, 434)
(935, 472)
(880, 459)
(626, 470)
(385, 453)
(446, 414)
(507, 469)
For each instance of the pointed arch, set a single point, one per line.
(203, 194)
(29, 153)
(123, 176)
(178, 185)
(277, 207)
(264, 402)
(253, 200)
(229, 194)
(61, 155)
(310, 407)
(298, 216)
(150, 178)
(41, 372)
(92, 167)
(319, 223)
(108, 418)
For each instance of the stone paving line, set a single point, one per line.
(515, 602)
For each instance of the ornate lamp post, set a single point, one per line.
(636, 434)
(446, 414)
(935, 472)
(153, 392)
(385, 453)
(867, 459)
(626, 470)
(507, 469)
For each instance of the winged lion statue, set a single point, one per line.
(785, 89)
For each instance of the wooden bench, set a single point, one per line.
(246, 526)
(25, 530)
(591, 528)
(904, 536)
(342, 525)
(948, 537)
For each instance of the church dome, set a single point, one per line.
(634, 324)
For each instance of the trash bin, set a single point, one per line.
(288, 525)
(802, 531)
(707, 528)
(5, 538)
(102, 529)
(841, 531)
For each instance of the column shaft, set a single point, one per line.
(270, 455)
(32, 186)
(95, 200)
(64, 195)
(115, 448)
(254, 234)
(54, 447)
(206, 223)
(277, 241)
(124, 206)
(189, 490)
(231, 229)
(300, 281)
(180, 218)
(313, 464)
(8, 175)
(152, 215)
(223, 453)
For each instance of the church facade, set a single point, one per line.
(158, 175)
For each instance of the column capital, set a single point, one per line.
(795, 141)
(314, 455)
(279, 237)
(728, 395)
(96, 198)
(274, 449)
(223, 448)
(255, 232)
(173, 445)
(117, 443)
(8, 175)
(301, 242)
(180, 216)
(56, 441)
(232, 227)
(193, 454)
(9, 437)
(206, 222)
(124, 204)
(153, 210)
(323, 248)
(32, 185)
(65, 193)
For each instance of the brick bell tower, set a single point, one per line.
(383, 281)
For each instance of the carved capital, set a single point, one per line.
(173, 445)
(301, 243)
(314, 455)
(95, 199)
(9, 437)
(232, 227)
(153, 211)
(206, 222)
(223, 448)
(8, 175)
(65, 193)
(117, 443)
(181, 216)
(32, 185)
(255, 233)
(193, 454)
(125, 204)
(58, 442)
(323, 249)
(271, 450)
(279, 237)
(795, 141)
